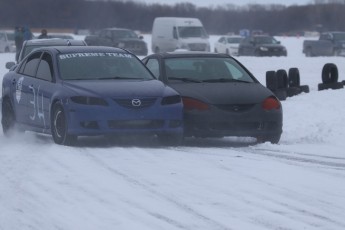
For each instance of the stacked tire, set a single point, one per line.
(285, 85)
(295, 83)
(330, 78)
(277, 86)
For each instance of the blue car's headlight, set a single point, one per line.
(89, 100)
(169, 100)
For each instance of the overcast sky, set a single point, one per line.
(235, 2)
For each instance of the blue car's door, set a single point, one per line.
(41, 89)
(23, 93)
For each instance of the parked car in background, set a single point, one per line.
(7, 43)
(84, 91)
(261, 45)
(173, 33)
(119, 37)
(30, 45)
(220, 96)
(228, 44)
(329, 44)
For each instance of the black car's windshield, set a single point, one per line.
(266, 40)
(118, 34)
(205, 69)
(101, 66)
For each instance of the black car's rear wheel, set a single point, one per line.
(59, 127)
(8, 118)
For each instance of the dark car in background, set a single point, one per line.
(329, 44)
(261, 45)
(76, 91)
(30, 45)
(220, 96)
(119, 37)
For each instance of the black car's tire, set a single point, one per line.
(170, 139)
(282, 79)
(59, 127)
(334, 85)
(271, 80)
(294, 77)
(329, 73)
(293, 91)
(8, 119)
(304, 88)
(281, 94)
(343, 82)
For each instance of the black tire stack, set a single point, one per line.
(330, 78)
(285, 85)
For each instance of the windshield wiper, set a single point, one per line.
(225, 80)
(117, 77)
(185, 79)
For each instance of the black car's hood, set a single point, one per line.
(224, 93)
(118, 88)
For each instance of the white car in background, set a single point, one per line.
(7, 42)
(228, 44)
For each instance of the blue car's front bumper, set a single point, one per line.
(88, 120)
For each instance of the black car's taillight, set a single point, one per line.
(271, 103)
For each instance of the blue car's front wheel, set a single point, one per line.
(59, 126)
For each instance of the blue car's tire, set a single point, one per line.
(8, 119)
(59, 127)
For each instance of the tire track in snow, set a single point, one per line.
(178, 204)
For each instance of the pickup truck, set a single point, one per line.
(120, 38)
(329, 44)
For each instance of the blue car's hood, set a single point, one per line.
(117, 88)
(224, 93)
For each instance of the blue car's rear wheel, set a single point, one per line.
(60, 128)
(8, 119)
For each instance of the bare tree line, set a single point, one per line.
(93, 15)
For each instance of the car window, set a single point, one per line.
(153, 66)
(30, 66)
(205, 69)
(2, 37)
(45, 68)
(93, 66)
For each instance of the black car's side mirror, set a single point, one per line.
(141, 37)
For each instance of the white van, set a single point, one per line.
(171, 33)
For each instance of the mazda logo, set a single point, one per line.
(136, 102)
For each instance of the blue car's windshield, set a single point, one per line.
(101, 66)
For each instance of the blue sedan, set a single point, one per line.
(83, 91)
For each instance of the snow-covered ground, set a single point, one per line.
(206, 184)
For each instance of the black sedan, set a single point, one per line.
(261, 45)
(220, 96)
